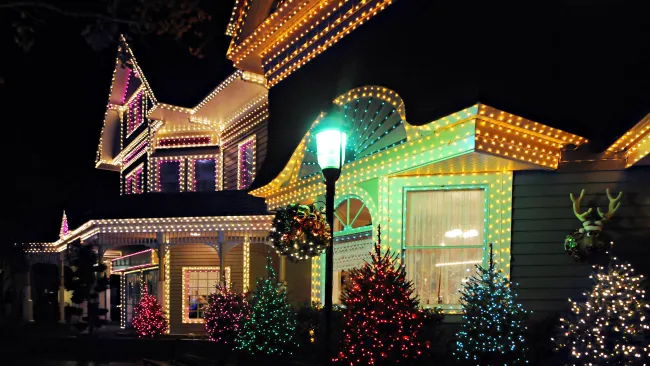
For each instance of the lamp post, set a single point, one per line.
(330, 150)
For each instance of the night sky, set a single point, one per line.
(54, 97)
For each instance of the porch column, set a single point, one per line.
(221, 238)
(28, 304)
(107, 293)
(160, 289)
(283, 269)
(62, 288)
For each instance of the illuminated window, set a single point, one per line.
(444, 241)
(352, 213)
(198, 284)
(133, 182)
(245, 162)
(134, 115)
(205, 175)
(353, 238)
(169, 178)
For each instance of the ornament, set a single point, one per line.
(590, 239)
(300, 232)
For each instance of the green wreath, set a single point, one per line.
(300, 232)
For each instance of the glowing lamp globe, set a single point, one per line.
(330, 143)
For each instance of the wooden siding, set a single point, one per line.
(543, 215)
(298, 279)
(196, 255)
(230, 153)
(258, 261)
(145, 173)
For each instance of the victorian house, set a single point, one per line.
(445, 175)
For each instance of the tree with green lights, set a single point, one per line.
(271, 325)
(492, 332)
(381, 318)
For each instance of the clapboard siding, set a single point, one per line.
(197, 255)
(543, 215)
(298, 279)
(230, 153)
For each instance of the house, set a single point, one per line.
(443, 174)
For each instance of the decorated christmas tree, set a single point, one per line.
(492, 332)
(271, 325)
(381, 319)
(149, 319)
(611, 326)
(225, 316)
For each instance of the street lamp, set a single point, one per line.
(330, 150)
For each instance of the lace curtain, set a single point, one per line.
(444, 241)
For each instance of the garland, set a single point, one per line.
(581, 246)
(300, 232)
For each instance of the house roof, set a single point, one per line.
(186, 204)
(441, 58)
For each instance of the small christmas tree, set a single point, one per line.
(611, 327)
(225, 316)
(492, 332)
(149, 319)
(381, 319)
(271, 326)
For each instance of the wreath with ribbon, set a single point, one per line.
(300, 232)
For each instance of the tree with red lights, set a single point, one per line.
(381, 317)
(224, 318)
(149, 320)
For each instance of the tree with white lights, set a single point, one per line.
(611, 326)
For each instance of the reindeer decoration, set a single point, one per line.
(590, 238)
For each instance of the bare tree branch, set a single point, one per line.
(67, 13)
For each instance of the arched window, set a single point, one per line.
(353, 241)
(352, 213)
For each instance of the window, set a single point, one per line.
(204, 175)
(246, 163)
(353, 242)
(133, 181)
(352, 213)
(198, 284)
(136, 283)
(132, 294)
(134, 114)
(444, 241)
(169, 179)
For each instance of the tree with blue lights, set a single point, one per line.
(492, 332)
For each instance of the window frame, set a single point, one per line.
(498, 202)
(249, 140)
(133, 178)
(449, 188)
(185, 288)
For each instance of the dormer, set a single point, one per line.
(218, 144)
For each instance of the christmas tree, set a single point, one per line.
(611, 326)
(271, 326)
(492, 332)
(149, 319)
(381, 319)
(225, 316)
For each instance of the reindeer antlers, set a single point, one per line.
(614, 204)
(576, 207)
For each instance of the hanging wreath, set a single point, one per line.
(300, 232)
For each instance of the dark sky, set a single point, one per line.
(54, 97)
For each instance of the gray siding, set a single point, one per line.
(543, 215)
